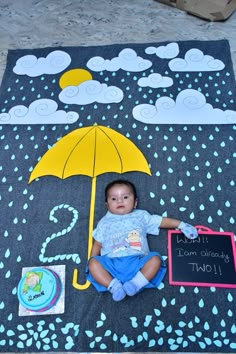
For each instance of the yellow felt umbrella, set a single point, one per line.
(90, 151)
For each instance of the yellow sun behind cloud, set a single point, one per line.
(74, 77)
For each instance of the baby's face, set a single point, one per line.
(120, 199)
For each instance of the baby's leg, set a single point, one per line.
(151, 268)
(142, 278)
(99, 273)
(103, 277)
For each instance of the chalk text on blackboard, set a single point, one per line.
(181, 252)
(208, 268)
(181, 239)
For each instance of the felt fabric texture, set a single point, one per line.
(46, 222)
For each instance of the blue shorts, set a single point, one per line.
(125, 268)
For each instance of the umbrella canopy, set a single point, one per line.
(91, 151)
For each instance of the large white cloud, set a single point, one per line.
(168, 51)
(54, 63)
(91, 91)
(195, 60)
(127, 60)
(43, 111)
(155, 80)
(190, 107)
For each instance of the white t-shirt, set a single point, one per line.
(125, 235)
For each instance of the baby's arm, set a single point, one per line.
(188, 230)
(169, 223)
(96, 248)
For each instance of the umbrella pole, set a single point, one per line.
(90, 238)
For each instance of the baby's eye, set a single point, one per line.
(113, 198)
(126, 197)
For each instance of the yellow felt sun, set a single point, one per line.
(74, 77)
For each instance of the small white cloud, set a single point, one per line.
(91, 91)
(127, 60)
(190, 108)
(43, 111)
(169, 51)
(54, 63)
(155, 80)
(195, 60)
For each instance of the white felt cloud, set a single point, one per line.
(54, 63)
(155, 80)
(91, 91)
(127, 60)
(43, 111)
(190, 107)
(168, 51)
(195, 60)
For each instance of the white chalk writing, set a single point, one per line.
(206, 268)
(181, 252)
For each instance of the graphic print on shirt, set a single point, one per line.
(119, 243)
(134, 240)
(128, 242)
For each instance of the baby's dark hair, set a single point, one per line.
(121, 181)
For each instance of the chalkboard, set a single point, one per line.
(209, 260)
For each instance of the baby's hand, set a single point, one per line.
(188, 230)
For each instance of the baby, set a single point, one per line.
(121, 261)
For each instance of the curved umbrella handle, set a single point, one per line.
(90, 238)
(79, 286)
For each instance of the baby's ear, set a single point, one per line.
(135, 203)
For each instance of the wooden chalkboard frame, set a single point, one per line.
(209, 274)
